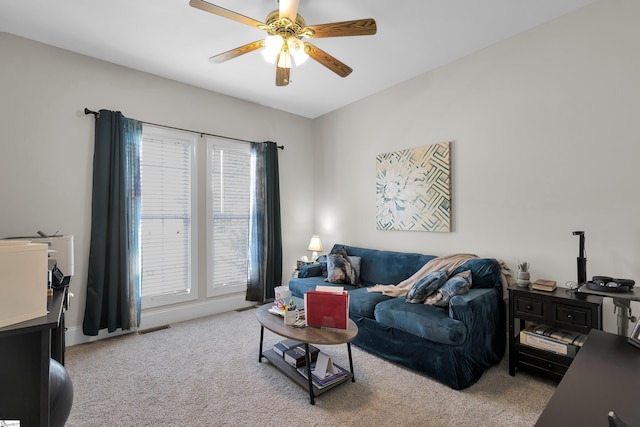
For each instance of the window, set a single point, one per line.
(228, 204)
(168, 216)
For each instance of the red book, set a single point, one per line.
(326, 309)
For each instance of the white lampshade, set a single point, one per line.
(284, 51)
(315, 245)
(296, 47)
(272, 47)
(284, 59)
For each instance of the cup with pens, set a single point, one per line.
(290, 314)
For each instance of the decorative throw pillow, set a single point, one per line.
(341, 269)
(309, 270)
(355, 264)
(322, 260)
(456, 285)
(426, 285)
(340, 251)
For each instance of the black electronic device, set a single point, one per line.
(57, 278)
(582, 260)
(609, 284)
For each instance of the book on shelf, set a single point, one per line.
(285, 345)
(530, 338)
(544, 285)
(568, 337)
(329, 377)
(296, 356)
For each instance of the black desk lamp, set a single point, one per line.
(582, 261)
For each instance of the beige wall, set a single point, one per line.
(544, 129)
(46, 145)
(545, 141)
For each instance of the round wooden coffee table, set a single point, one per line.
(307, 335)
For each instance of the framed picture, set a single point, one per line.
(413, 189)
(634, 338)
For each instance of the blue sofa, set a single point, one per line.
(453, 344)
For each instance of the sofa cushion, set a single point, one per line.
(455, 285)
(484, 271)
(385, 267)
(426, 285)
(425, 321)
(363, 303)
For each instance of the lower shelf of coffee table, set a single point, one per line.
(278, 361)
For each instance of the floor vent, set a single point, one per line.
(157, 328)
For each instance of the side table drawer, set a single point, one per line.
(544, 364)
(529, 308)
(571, 315)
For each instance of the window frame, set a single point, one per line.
(164, 133)
(212, 291)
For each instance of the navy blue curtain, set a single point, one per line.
(265, 235)
(113, 282)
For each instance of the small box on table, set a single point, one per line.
(327, 307)
(23, 281)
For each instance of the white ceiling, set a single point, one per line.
(169, 38)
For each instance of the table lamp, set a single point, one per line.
(315, 245)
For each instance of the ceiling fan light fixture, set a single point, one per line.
(286, 28)
(284, 59)
(296, 47)
(273, 45)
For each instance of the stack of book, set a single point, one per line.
(544, 285)
(294, 353)
(567, 337)
(329, 378)
(558, 341)
(284, 345)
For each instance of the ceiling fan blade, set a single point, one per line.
(225, 13)
(327, 60)
(289, 9)
(282, 76)
(359, 27)
(234, 53)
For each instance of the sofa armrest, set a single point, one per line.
(309, 270)
(483, 313)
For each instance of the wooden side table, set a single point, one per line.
(308, 335)
(562, 309)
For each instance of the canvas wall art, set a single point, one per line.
(413, 189)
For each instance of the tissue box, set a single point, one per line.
(23, 281)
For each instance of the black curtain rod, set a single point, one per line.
(96, 114)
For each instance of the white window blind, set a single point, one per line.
(167, 174)
(228, 203)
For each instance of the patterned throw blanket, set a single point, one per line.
(448, 262)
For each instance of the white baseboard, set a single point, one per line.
(165, 316)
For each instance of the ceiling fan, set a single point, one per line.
(283, 44)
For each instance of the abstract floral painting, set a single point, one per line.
(413, 189)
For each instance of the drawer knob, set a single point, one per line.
(529, 307)
(549, 365)
(570, 316)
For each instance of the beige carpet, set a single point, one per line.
(205, 372)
